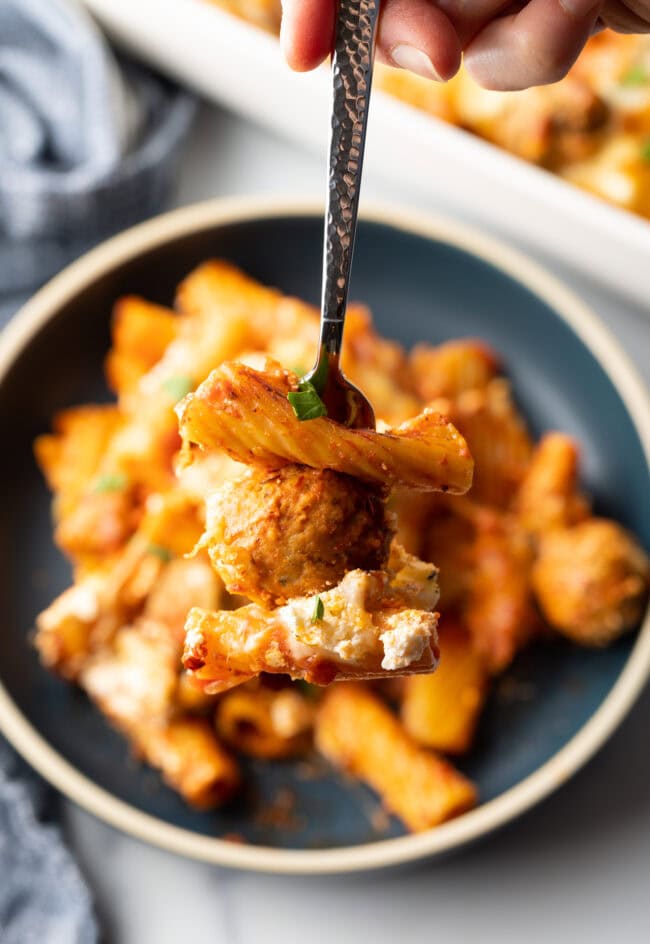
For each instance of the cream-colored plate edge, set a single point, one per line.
(386, 852)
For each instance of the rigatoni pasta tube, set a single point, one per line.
(548, 497)
(451, 368)
(226, 648)
(356, 732)
(370, 625)
(497, 436)
(134, 684)
(441, 710)
(70, 456)
(86, 616)
(191, 760)
(246, 413)
(141, 333)
(265, 723)
(498, 609)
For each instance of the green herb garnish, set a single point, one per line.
(319, 376)
(636, 75)
(115, 482)
(177, 387)
(157, 550)
(306, 403)
(644, 154)
(319, 610)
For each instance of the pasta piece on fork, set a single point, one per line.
(361, 616)
(370, 625)
(246, 413)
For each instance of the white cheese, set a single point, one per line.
(406, 640)
(194, 639)
(348, 629)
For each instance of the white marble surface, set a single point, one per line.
(575, 869)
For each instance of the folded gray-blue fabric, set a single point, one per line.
(43, 897)
(88, 145)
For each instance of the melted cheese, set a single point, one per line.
(407, 638)
(348, 628)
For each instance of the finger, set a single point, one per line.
(416, 35)
(631, 16)
(536, 46)
(470, 16)
(307, 32)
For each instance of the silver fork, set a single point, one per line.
(352, 76)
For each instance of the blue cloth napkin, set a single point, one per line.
(87, 147)
(43, 898)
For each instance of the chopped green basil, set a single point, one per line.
(636, 75)
(307, 689)
(319, 377)
(157, 550)
(115, 482)
(306, 403)
(319, 610)
(177, 387)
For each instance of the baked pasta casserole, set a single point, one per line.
(592, 128)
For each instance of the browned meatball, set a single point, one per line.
(274, 535)
(591, 581)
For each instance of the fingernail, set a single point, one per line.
(413, 59)
(580, 8)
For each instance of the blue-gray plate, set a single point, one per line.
(424, 280)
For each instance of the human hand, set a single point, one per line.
(505, 45)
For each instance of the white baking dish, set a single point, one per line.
(241, 66)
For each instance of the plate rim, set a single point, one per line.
(485, 818)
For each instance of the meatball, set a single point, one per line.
(275, 535)
(591, 581)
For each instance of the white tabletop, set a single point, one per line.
(576, 869)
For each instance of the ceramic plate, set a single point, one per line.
(424, 279)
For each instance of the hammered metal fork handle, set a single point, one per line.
(352, 76)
